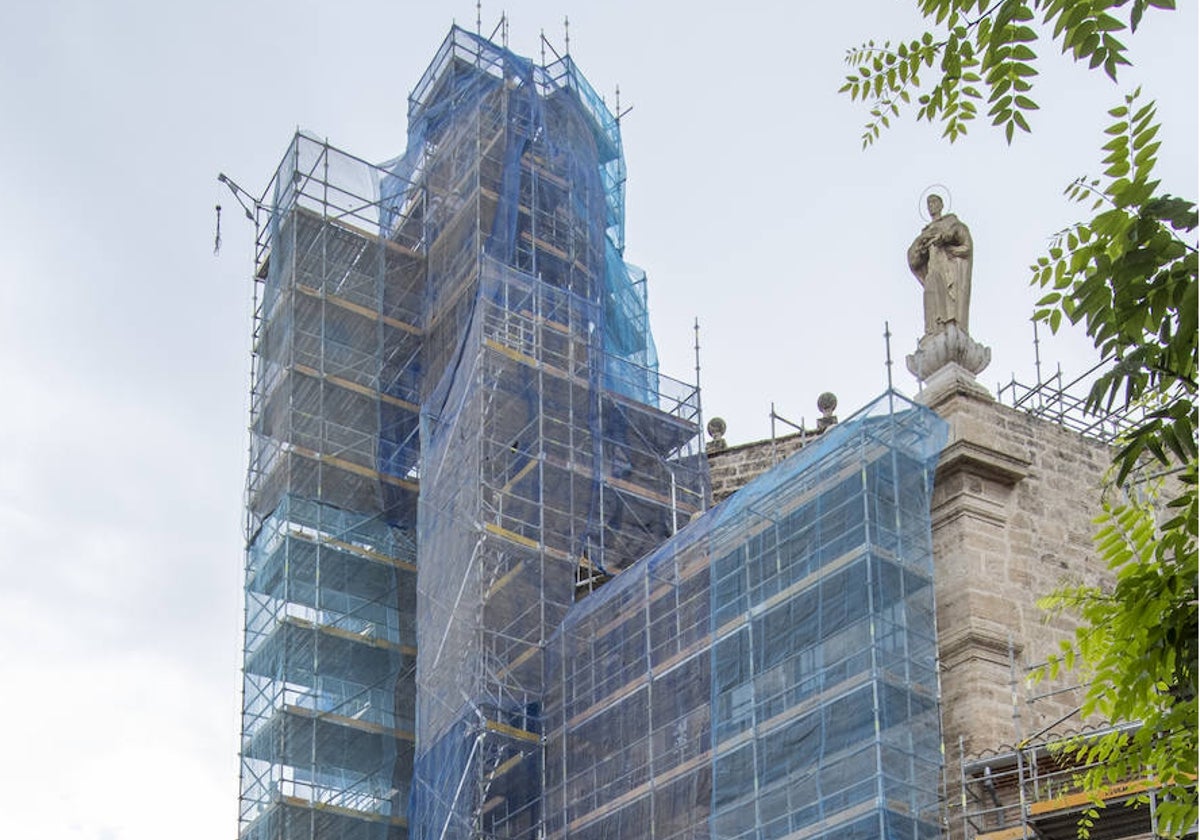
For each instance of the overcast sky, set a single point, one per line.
(124, 351)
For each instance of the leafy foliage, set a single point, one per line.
(984, 56)
(1129, 274)
(1140, 635)
(1131, 277)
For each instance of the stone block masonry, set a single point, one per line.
(730, 469)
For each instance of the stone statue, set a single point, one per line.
(947, 359)
(941, 258)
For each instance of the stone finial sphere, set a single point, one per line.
(827, 403)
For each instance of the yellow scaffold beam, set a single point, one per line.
(513, 732)
(357, 309)
(342, 382)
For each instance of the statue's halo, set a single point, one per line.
(942, 192)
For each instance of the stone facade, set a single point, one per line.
(1013, 503)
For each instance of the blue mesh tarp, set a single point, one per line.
(771, 670)
(546, 460)
(453, 366)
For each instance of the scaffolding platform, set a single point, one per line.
(1035, 792)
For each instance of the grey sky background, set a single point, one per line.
(124, 342)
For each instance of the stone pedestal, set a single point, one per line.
(947, 362)
(948, 381)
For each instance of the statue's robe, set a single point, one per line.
(941, 258)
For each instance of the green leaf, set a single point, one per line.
(1144, 137)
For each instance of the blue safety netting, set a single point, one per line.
(459, 431)
(553, 453)
(770, 671)
(328, 716)
(544, 114)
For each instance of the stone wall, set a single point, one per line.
(1012, 512)
(731, 468)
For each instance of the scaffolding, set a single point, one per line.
(554, 453)
(1060, 403)
(330, 638)
(1034, 789)
(770, 672)
(486, 593)
(470, 294)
